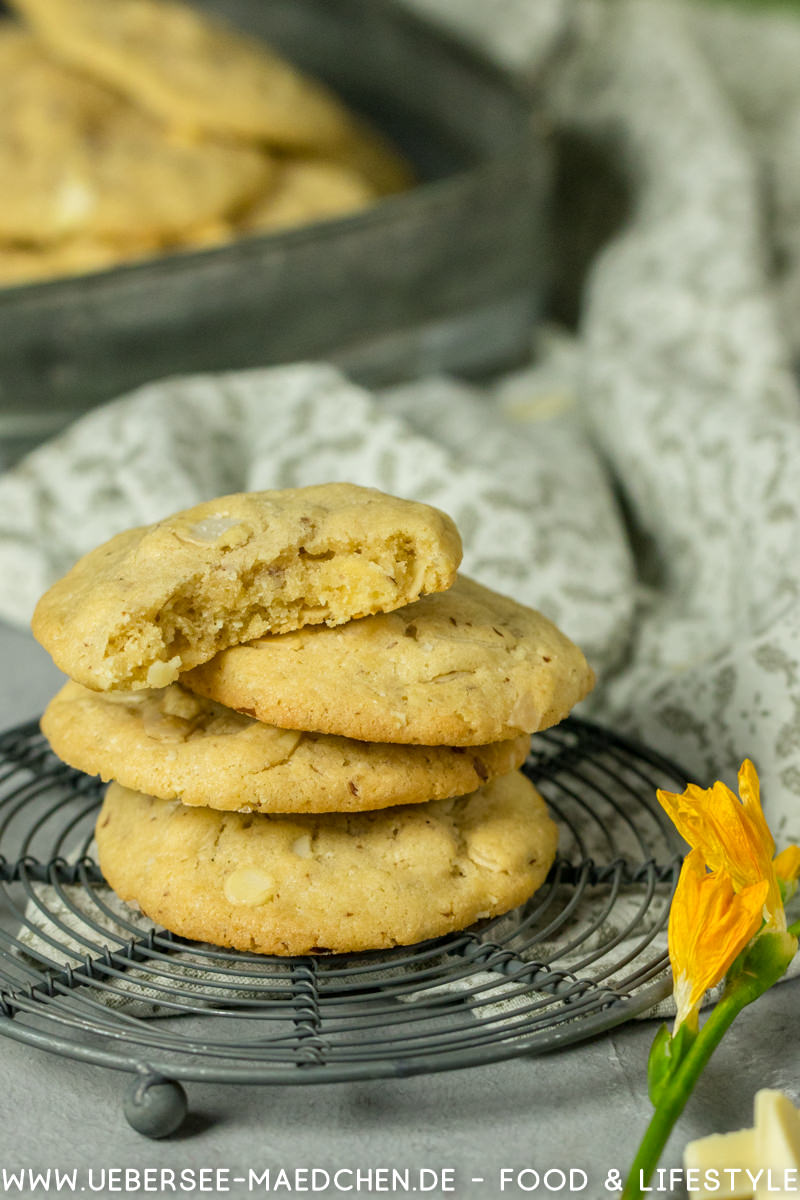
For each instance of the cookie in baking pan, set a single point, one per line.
(333, 882)
(304, 190)
(77, 159)
(189, 71)
(463, 667)
(73, 256)
(366, 152)
(157, 600)
(176, 745)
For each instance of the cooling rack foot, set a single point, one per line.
(155, 1106)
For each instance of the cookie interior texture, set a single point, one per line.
(175, 745)
(463, 667)
(335, 882)
(155, 601)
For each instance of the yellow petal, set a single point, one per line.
(750, 792)
(787, 864)
(731, 833)
(709, 925)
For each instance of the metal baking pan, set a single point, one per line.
(446, 276)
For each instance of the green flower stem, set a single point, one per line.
(674, 1100)
(759, 966)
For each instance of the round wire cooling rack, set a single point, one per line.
(84, 975)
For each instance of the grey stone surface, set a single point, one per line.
(581, 1107)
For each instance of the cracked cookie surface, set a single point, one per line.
(460, 668)
(176, 745)
(155, 601)
(334, 882)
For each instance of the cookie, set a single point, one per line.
(461, 668)
(305, 190)
(363, 150)
(334, 882)
(157, 600)
(179, 746)
(76, 159)
(76, 256)
(189, 71)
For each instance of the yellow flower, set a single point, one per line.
(710, 923)
(787, 864)
(734, 837)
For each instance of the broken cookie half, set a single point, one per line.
(158, 600)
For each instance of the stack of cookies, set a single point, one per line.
(136, 127)
(313, 724)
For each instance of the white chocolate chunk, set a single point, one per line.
(526, 712)
(302, 846)
(481, 859)
(723, 1162)
(211, 528)
(249, 885)
(162, 673)
(163, 728)
(74, 200)
(750, 1164)
(777, 1145)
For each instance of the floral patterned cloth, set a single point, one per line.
(640, 482)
